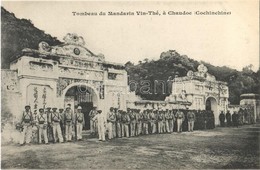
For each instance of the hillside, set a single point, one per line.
(18, 34)
(171, 63)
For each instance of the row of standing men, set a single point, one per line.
(63, 125)
(134, 122)
(51, 124)
(243, 116)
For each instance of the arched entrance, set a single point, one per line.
(81, 95)
(211, 104)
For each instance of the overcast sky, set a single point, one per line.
(231, 40)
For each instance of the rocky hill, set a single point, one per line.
(18, 34)
(172, 63)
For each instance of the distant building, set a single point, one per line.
(202, 91)
(252, 100)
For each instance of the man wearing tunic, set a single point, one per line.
(69, 122)
(191, 120)
(228, 117)
(42, 123)
(27, 126)
(125, 124)
(118, 123)
(222, 119)
(80, 122)
(111, 119)
(139, 118)
(55, 120)
(132, 122)
(180, 118)
(49, 127)
(93, 125)
(101, 124)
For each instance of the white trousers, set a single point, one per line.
(43, 132)
(79, 130)
(68, 132)
(179, 125)
(110, 130)
(26, 134)
(101, 132)
(57, 132)
(190, 125)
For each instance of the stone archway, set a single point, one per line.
(81, 94)
(212, 104)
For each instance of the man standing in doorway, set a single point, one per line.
(93, 125)
(68, 120)
(80, 122)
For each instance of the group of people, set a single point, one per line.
(62, 125)
(135, 122)
(243, 116)
(51, 124)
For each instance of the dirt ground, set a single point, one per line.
(219, 148)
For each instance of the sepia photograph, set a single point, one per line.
(130, 84)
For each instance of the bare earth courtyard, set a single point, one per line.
(218, 148)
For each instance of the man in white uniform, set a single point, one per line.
(80, 122)
(27, 126)
(111, 119)
(101, 123)
(55, 119)
(43, 123)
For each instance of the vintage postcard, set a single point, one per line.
(130, 84)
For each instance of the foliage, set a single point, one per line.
(171, 63)
(18, 34)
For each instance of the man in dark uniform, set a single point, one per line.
(222, 119)
(235, 119)
(204, 119)
(228, 117)
(240, 116)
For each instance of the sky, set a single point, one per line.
(223, 40)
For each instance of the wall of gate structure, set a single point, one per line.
(41, 78)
